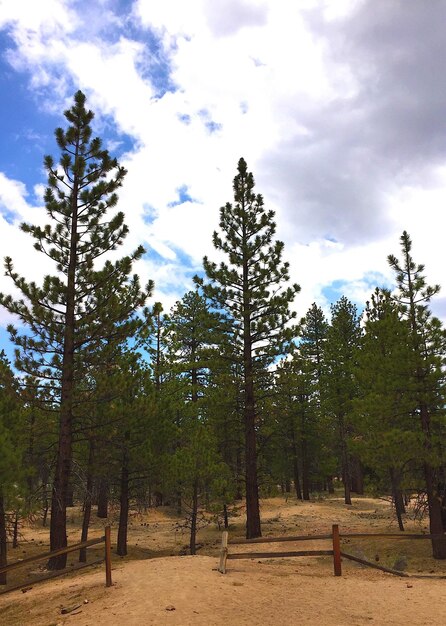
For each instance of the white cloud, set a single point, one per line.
(45, 17)
(268, 80)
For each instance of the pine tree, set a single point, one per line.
(152, 338)
(12, 451)
(427, 341)
(193, 332)
(295, 411)
(339, 385)
(134, 434)
(383, 410)
(69, 316)
(313, 337)
(224, 401)
(313, 334)
(249, 289)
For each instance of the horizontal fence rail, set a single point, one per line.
(276, 555)
(240, 542)
(335, 536)
(106, 540)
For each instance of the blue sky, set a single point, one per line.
(337, 108)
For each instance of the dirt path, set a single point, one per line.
(187, 590)
(183, 590)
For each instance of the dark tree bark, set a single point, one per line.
(70, 496)
(58, 520)
(193, 519)
(346, 476)
(87, 505)
(253, 528)
(46, 506)
(239, 475)
(435, 515)
(121, 547)
(397, 497)
(30, 480)
(442, 493)
(103, 499)
(305, 471)
(434, 502)
(15, 532)
(225, 516)
(3, 539)
(295, 464)
(357, 478)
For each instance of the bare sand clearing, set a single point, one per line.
(188, 590)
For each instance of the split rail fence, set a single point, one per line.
(106, 540)
(335, 537)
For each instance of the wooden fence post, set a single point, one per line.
(336, 551)
(224, 552)
(108, 575)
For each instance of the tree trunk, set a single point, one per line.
(296, 465)
(45, 501)
(253, 528)
(397, 498)
(179, 501)
(239, 475)
(346, 482)
(58, 525)
(346, 477)
(103, 499)
(435, 518)
(3, 539)
(121, 547)
(433, 501)
(46, 506)
(330, 485)
(58, 521)
(193, 520)
(70, 496)
(225, 516)
(30, 480)
(305, 471)
(15, 535)
(357, 478)
(87, 505)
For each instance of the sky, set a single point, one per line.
(338, 107)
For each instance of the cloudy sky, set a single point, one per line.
(338, 106)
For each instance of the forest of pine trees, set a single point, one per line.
(225, 397)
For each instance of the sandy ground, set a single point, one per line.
(184, 590)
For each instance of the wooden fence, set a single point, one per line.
(106, 540)
(335, 537)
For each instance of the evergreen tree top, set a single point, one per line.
(249, 286)
(95, 302)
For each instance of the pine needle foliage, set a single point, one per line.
(82, 305)
(249, 287)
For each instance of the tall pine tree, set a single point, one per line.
(74, 310)
(249, 288)
(387, 441)
(427, 341)
(12, 451)
(339, 385)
